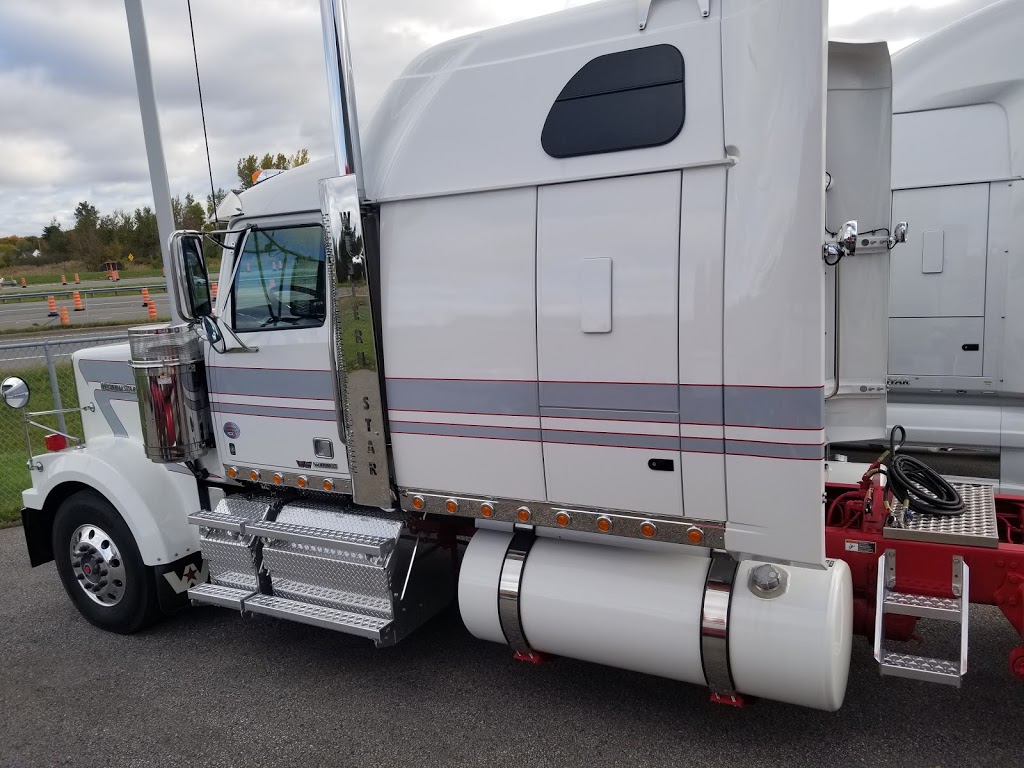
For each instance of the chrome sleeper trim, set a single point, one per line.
(674, 530)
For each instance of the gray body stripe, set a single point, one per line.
(765, 407)
(464, 430)
(111, 371)
(774, 450)
(589, 413)
(652, 442)
(700, 405)
(601, 396)
(509, 398)
(280, 413)
(790, 407)
(702, 445)
(103, 399)
(266, 382)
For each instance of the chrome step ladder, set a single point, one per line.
(955, 609)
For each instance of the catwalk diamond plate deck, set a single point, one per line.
(976, 527)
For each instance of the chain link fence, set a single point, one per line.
(45, 365)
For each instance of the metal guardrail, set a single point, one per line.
(115, 290)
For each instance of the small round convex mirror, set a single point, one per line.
(15, 392)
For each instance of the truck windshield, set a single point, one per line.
(280, 280)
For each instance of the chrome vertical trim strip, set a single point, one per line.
(340, 91)
(353, 348)
(509, 583)
(714, 624)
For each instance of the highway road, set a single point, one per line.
(99, 308)
(209, 688)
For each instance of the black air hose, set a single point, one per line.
(913, 481)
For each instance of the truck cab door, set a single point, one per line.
(274, 407)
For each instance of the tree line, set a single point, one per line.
(96, 238)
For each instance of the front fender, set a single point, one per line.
(154, 499)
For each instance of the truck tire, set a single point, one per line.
(100, 565)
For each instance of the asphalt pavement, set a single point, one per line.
(209, 688)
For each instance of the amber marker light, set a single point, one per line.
(604, 524)
(417, 502)
(562, 518)
(302, 481)
(523, 513)
(328, 484)
(254, 475)
(451, 506)
(278, 478)
(695, 535)
(232, 472)
(648, 529)
(487, 509)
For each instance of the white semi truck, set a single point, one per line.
(956, 332)
(586, 389)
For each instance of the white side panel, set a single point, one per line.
(950, 146)
(633, 222)
(943, 424)
(774, 86)
(958, 290)
(459, 329)
(936, 346)
(701, 267)
(795, 647)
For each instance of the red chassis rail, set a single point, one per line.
(854, 522)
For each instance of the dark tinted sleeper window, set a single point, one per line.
(627, 100)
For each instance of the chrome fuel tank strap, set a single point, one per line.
(509, 583)
(714, 624)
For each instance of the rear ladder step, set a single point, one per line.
(350, 623)
(954, 609)
(920, 668)
(216, 594)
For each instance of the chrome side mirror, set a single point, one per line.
(899, 234)
(15, 392)
(848, 237)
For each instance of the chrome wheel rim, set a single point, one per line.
(97, 565)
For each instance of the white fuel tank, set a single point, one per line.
(642, 610)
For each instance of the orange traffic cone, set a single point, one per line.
(53, 306)
(78, 301)
(152, 310)
(145, 297)
(24, 284)
(63, 279)
(213, 287)
(77, 281)
(64, 316)
(117, 276)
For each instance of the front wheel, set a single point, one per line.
(100, 565)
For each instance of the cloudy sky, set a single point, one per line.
(70, 127)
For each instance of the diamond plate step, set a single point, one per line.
(945, 608)
(215, 594)
(218, 520)
(319, 616)
(319, 525)
(920, 668)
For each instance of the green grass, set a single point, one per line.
(14, 474)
